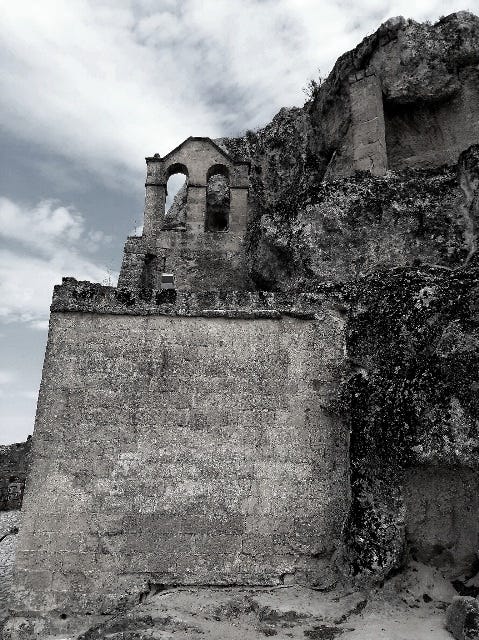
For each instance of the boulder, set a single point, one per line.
(462, 618)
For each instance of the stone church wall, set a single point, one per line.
(181, 449)
(200, 256)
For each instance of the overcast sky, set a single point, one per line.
(88, 88)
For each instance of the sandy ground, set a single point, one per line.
(410, 607)
(8, 519)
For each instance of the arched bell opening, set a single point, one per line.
(176, 194)
(217, 199)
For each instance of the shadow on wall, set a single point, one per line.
(424, 135)
(442, 528)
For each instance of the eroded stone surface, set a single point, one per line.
(462, 618)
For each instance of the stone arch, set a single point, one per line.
(177, 167)
(217, 217)
(218, 170)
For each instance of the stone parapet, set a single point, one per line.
(87, 297)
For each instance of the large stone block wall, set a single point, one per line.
(182, 450)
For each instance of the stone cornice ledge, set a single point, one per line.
(87, 297)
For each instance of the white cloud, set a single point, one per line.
(29, 395)
(6, 377)
(47, 226)
(17, 425)
(103, 83)
(74, 77)
(40, 325)
(40, 245)
(41, 226)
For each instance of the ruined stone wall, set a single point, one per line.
(181, 449)
(9, 520)
(14, 462)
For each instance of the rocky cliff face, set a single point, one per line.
(413, 350)
(400, 250)
(350, 226)
(314, 217)
(428, 77)
(176, 214)
(413, 359)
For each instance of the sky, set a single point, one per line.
(88, 88)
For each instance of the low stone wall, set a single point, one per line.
(88, 297)
(14, 461)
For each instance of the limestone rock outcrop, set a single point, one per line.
(407, 97)
(176, 214)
